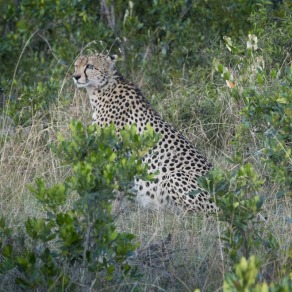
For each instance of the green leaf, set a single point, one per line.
(282, 100)
(220, 68)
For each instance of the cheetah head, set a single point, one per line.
(94, 70)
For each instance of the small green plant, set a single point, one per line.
(237, 195)
(79, 246)
(246, 279)
(33, 100)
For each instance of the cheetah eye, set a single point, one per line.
(89, 66)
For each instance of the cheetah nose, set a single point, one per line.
(76, 77)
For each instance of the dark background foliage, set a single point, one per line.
(47, 35)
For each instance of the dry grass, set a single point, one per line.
(195, 256)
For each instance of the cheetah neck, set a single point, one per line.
(97, 93)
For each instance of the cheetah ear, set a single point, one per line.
(113, 59)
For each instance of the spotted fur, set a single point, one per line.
(113, 99)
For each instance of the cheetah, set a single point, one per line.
(115, 100)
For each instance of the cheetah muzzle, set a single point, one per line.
(115, 100)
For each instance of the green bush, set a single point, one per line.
(245, 279)
(38, 37)
(265, 97)
(235, 194)
(261, 155)
(77, 245)
(33, 100)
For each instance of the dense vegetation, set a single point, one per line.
(220, 72)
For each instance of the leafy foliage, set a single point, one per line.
(80, 245)
(34, 100)
(263, 96)
(233, 193)
(41, 36)
(246, 273)
(266, 110)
